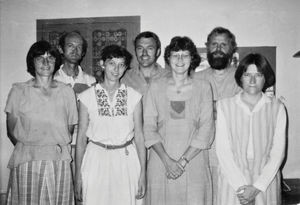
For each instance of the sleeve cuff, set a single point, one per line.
(260, 186)
(200, 145)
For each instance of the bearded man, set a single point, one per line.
(221, 46)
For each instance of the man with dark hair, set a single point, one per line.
(221, 46)
(73, 47)
(147, 49)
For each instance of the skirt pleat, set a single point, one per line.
(41, 183)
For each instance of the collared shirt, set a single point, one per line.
(135, 78)
(82, 77)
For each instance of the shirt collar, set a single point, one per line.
(62, 72)
(157, 69)
(262, 101)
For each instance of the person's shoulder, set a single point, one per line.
(274, 100)
(231, 70)
(229, 100)
(130, 73)
(201, 77)
(132, 91)
(22, 85)
(201, 82)
(61, 84)
(164, 72)
(276, 104)
(58, 72)
(160, 81)
(160, 69)
(90, 78)
(129, 88)
(203, 74)
(64, 87)
(59, 75)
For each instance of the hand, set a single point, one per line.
(79, 87)
(141, 187)
(173, 169)
(247, 193)
(78, 188)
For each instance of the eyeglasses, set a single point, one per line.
(44, 60)
(177, 56)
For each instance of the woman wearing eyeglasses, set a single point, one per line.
(250, 138)
(179, 128)
(110, 151)
(41, 114)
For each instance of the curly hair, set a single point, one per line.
(185, 44)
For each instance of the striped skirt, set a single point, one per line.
(41, 183)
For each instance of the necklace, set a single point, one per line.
(179, 88)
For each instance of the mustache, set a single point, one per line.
(218, 60)
(219, 53)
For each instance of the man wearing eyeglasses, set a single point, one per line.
(221, 47)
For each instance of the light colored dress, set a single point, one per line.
(40, 163)
(179, 120)
(110, 177)
(250, 147)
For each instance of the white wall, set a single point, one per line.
(254, 22)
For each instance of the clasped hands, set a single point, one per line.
(246, 194)
(174, 169)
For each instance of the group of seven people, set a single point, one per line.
(146, 134)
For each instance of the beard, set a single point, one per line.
(218, 62)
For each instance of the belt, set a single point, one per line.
(106, 146)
